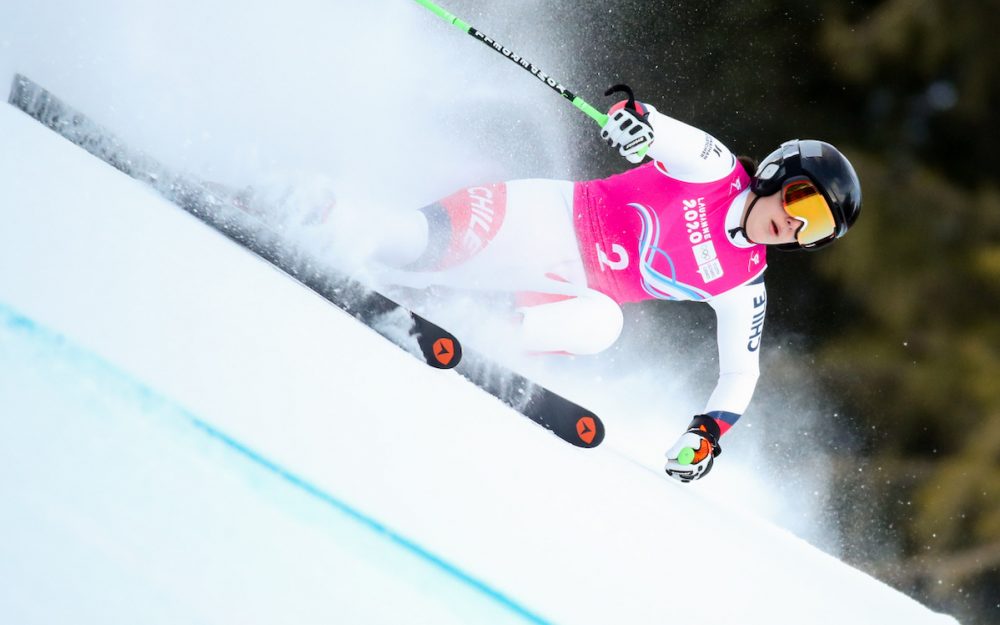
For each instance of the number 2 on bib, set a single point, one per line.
(619, 263)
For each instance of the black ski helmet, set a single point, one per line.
(827, 168)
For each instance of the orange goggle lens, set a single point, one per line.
(803, 201)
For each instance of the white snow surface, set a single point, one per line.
(376, 489)
(190, 436)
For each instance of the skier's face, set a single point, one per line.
(769, 224)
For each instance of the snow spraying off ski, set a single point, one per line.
(222, 209)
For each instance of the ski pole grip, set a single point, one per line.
(631, 107)
(622, 88)
(686, 456)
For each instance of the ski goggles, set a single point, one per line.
(803, 201)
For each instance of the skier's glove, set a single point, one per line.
(692, 456)
(629, 131)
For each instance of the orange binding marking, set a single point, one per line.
(444, 351)
(586, 429)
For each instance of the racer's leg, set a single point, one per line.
(516, 237)
(586, 324)
(502, 237)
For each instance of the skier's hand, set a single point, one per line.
(629, 131)
(692, 456)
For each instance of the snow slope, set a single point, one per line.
(190, 436)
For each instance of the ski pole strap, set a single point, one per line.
(523, 63)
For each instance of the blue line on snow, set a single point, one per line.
(20, 323)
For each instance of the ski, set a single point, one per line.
(221, 209)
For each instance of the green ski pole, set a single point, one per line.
(523, 63)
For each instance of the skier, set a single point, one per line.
(692, 224)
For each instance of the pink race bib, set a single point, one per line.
(644, 235)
